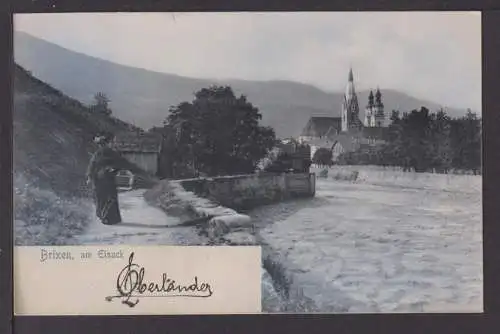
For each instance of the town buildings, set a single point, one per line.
(347, 133)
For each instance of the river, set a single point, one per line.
(384, 243)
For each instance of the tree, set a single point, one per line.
(440, 143)
(470, 150)
(217, 133)
(322, 157)
(395, 116)
(423, 141)
(101, 104)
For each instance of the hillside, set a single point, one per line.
(143, 97)
(52, 146)
(53, 134)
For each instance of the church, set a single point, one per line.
(347, 133)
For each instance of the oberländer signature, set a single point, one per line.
(131, 286)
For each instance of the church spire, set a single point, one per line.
(350, 92)
(378, 98)
(370, 99)
(350, 108)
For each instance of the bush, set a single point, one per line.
(322, 157)
(164, 196)
(352, 176)
(323, 173)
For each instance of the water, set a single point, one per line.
(397, 244)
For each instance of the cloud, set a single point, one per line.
(432, 55)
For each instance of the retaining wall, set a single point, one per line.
(248, 191)
(217, 199)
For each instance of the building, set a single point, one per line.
(350, 107)
(374, 113)
(347, 132)
(142, 149)
(320, 128)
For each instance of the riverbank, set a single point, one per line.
(226, 226)
(386, 241)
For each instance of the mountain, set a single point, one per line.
(143, 97)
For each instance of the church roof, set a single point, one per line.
(323, 142)
(321, 126)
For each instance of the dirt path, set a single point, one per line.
(142, 224)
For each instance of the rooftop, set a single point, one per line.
(321, 126)
(138, 142)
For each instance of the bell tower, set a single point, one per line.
(379, 110)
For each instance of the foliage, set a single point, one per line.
(215, 134)
(101, 104)
(323, 173)
(280, 163)
(322, 157)
(424, 141)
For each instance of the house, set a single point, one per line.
(299, 154)
(316, 144)
(337, 144)
(345, 143)
(142, 149)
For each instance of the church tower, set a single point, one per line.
(350, 107)
(379, 110)
(370, 111)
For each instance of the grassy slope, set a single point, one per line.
(52, 146)
(53, 134)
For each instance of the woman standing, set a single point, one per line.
(101, 173)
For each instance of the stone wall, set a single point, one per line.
(216, 200)
(248, 191)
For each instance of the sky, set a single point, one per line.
(429, 55)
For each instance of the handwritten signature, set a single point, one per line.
(131, 286)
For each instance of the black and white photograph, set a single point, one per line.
(347, 145)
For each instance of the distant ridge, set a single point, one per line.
(143, 97)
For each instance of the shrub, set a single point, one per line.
(323, 173)
(352, 176)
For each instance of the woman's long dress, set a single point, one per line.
(102, 169)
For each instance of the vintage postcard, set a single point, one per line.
(314, 162)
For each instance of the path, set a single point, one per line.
(147, 225)
(142, 225)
